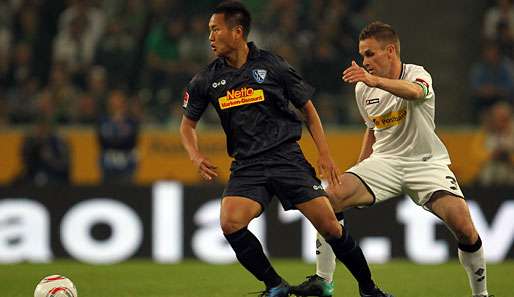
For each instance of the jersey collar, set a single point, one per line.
(253, 52)
(402, 71)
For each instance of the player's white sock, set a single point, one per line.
(474, 264)
(325, 259)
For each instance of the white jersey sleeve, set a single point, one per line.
(422, 78)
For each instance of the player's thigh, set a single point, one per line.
(244, 198)
(294, 181)
(296, 185)
(434, 186)
(455, 213)
(319, 212)
(372, 180)
(350, 192)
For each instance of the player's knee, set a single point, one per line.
(466, 233)
(338, 193)
(331, 197)
(330, 229)
(229, 226)
(339, 197)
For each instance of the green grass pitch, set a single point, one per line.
(142, 278)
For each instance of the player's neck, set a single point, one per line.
(396, 69)
(238, 57)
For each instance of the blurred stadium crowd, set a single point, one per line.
(63, 61)
(118, 64)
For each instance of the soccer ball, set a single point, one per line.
(55, 286)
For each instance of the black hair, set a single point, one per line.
(235, 14)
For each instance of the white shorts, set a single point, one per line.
(388, 178)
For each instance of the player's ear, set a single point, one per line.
(238, 31)
(390, 49)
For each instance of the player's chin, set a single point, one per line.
(217, 52)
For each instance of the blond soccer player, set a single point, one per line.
(401, 154)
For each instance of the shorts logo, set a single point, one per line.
(185, 99)
(239, 97)
(391, 119)
(259, 75)
(372, 101)
(317, 187)
(219, 83)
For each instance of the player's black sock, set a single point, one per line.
(349, 252)
(249, 252)
(471, 248)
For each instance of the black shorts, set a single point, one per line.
(285, 173)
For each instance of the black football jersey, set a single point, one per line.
(253, 102)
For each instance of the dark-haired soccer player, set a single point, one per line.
(401, 154)
(251, 90)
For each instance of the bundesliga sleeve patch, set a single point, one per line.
(424, 85)
(185, 99)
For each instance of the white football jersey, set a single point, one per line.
(402, 128)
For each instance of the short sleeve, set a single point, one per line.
(359, 89)
(296, 89)
(422, 78)
(195, 99)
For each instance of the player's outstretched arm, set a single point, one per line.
(398, 87)
(189, 138)
(326, 165)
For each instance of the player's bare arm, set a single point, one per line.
(326, 165)
(206, 169)
(367, 145)
(401, 88)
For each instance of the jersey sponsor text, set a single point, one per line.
(240, 97)
(393, 118)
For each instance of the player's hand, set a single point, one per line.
(355, 73)
(328, 170)
(206, 169)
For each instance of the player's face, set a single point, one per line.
(377, 56)
(222, 37)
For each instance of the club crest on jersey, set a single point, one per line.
(259, 75)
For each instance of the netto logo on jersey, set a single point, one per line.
(239, 97)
